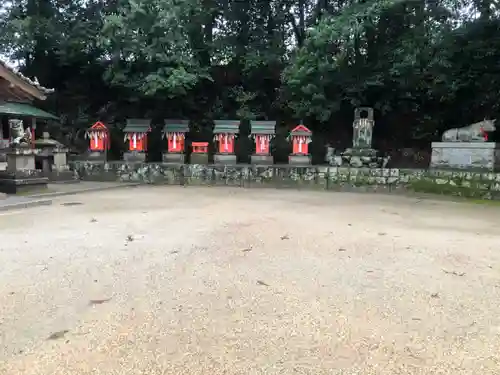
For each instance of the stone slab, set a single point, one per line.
(16, 203)
(135, 157)
(174, 158)
(62, 176)
(20, 162)
(23, 186)
(466, 145)
(299, 159)
(225, 159)
(466, 156)
(198, 158)
(262, 159)
(95, 156)
(60, 159)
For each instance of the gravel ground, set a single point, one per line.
(172, 280)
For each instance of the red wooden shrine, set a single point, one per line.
(226, 143)
(200, 147)
(175, 142)
(137, 141)
(262, 142)
(98, 135)
(301, 137)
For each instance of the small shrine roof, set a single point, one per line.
(227, 126)
(301, 130)
(98, 126)
(263, 127)
(179, 126)
(137, 126)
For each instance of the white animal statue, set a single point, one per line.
(471, 133)
(19, 136)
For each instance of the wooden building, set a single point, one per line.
(17, 94)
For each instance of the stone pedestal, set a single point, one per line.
(21, 160)
(54, 165)
(95, 156)
(21, 175)
(174, 158)
(262, 159)
(60, 158)
(299, 159)
(225, 159)
(362, 158)
(466, 155)
(198, 158)
(134, 157)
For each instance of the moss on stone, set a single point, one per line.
(428, 185)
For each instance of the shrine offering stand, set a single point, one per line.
(199, 155)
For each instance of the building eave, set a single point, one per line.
(31, 87)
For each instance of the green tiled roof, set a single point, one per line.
(177, 126)
(25, 110)
(263, 127)
(227, 126)
(137, 126)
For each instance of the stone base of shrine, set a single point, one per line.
(22, 182)
(95, 156)
(299, 159)
(198, 158)
(224, 159)
(134, 157)
(174, 158)
(262, 159)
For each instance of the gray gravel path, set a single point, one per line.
(172, 280)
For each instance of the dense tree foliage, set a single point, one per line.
(424, 65)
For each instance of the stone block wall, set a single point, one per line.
(458, 183)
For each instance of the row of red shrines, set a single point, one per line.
(98, 136)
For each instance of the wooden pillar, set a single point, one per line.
(33, 132)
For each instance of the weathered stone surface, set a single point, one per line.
(134, 156)
(459, 183)
(299, 159)
(174, 158)
(262, 159)
(466, 155)
(225, 159)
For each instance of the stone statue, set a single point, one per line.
(472, 133)
(331, 158)
(363, 128)
(330, 155)
(19, 136)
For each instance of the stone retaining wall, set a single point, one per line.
(458, 183)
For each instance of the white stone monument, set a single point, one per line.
(467, 148)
